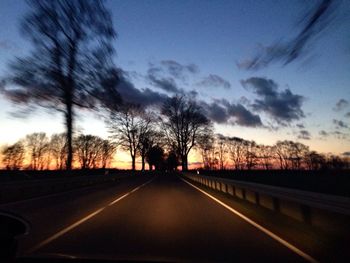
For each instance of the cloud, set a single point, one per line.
(347, 115)
(166, 84)
(214, 81)
(318, 19)
(340, 105)
(301, 126)
(304, 135)
(346, 154)
(166, 75)
(323, 133)
(178, 70)
(222, 111)
(340, 135)
(340, 124)
(144, 97)
(283, 106)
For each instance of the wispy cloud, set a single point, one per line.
(214, 81)
(341, 105)
(304, 135)
(340, 124)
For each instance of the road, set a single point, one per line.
(158, 218)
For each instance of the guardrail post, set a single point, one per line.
(257, 198)
(306, 213)
(276, 204)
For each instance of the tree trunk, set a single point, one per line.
(184, 163)
(133, 159)
(143, 162)
(69, 127)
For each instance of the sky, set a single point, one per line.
(208, 50)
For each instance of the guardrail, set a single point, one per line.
(313, 208)
(18, 190)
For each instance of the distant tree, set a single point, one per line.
(250, 155)
(151, 138)
(107, 151)
(297, 154)
(335, 162)
(314, 160)
(221, 150)
(13, 156)
(183, 123)
(155, 157)
(58, 150)
(129, 126)
(236, 151)
(265, 155)
(88, 150)
(172, 161)
(282, 151)
(206, 147)
(37, 145)
(70, 65)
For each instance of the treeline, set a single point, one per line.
(163, 139)
(37, 151)
(221, 152)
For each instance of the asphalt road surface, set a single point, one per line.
(158, 218)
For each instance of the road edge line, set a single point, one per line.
(256, 225)
(84, 219)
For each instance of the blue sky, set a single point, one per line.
(215, 37)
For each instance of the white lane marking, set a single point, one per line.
(79, 222)
(261, 228)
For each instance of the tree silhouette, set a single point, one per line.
(155, 157)
(70, 65)
(236, 150)
(129, 126)
(13, 156)
(172, 161)
(58, 149)
(183, 123)
(38, 145)
(88, 149)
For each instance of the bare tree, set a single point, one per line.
(236, 151)
(71, 59)
(88, 150)
(221, 150)
(129, 126)
(315, 161)
(250, 156)
(297, 153)
(183, 123)
(37, 145)
(13, 156)
(107, 152)
(281, 149)
(265, 155)
(206, 147)
(58, 149)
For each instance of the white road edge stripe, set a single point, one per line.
(261, 228)
(79, 222)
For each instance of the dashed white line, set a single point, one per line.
(79, 222)
(261, 228)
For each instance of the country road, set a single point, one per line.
(160, 218)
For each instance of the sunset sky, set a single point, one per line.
(205, 49)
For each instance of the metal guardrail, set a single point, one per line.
(298, 204)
